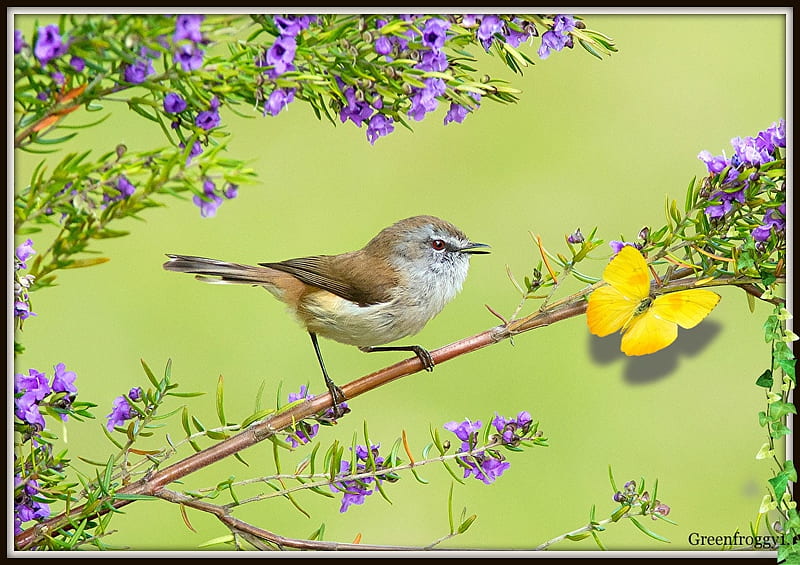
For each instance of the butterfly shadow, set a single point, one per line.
(647, 369)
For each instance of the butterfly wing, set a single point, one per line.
(628, 273)
(612, 307)
(648, 333)
(687, 308)
(608, 311)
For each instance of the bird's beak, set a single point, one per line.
(473, 248)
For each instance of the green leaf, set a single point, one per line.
(611, 478)
(779, 409)
(779, 483)
(150, 376)
(652, 534)
(597, 540)
(579, 537)
(790, 471)
(467, 523)
(220, 403)
(765, 379)
(620, 512)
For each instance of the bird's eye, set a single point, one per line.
(438, 245)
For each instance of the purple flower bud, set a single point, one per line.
(77, 63)
(125, 187)
(174, 103)
(231, 191)
(575, 237)
(135, 393)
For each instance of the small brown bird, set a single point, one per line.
(381, 293)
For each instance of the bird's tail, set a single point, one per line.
(220, 272)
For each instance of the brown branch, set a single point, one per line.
(155, 482)
(248, 530)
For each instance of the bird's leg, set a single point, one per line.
(337, 395)
(422, 354)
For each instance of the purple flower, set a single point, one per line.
(617, 246)
(77, 63)
(379, 126)
(22, 310)
(424, 100)
(433, 61)
(485, 468)
(434, 33)
(714, 164)
(558, 37)
(231, 191)
(357, 111)
(209, 202)
(470, 21)
(775, 218)
(26, 408)
(196, 150)
(23, 253)
(63, 380)
(187, 26)
(490, 25)
(278, 100)
(291, 25)
(511, 430)
(514, 37)
(35, 384)
(466, 431)
(575, 237)
(383, 45)
(189, 56)
(726, 200)
(174, 103)
(125, 187)
(356, 491)
(208, 119)
(457, 112)
(58, 78)
(27, 508)
(135, 393)
(281, 55)
(49, 44)
(139, 71)
(121, 411)
(19, 41)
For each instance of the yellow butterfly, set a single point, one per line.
(648, 322)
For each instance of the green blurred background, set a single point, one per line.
(591, 143)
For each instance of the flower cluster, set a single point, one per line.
(487, 464)
(419, 38)
(748, 152)
(187, 41)
(304, 431)
(629, 496)
(356, 490)
(28, 503)
(22, 283)
(279, 59)
(33, 392)
(210, 201)
(122, 410)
